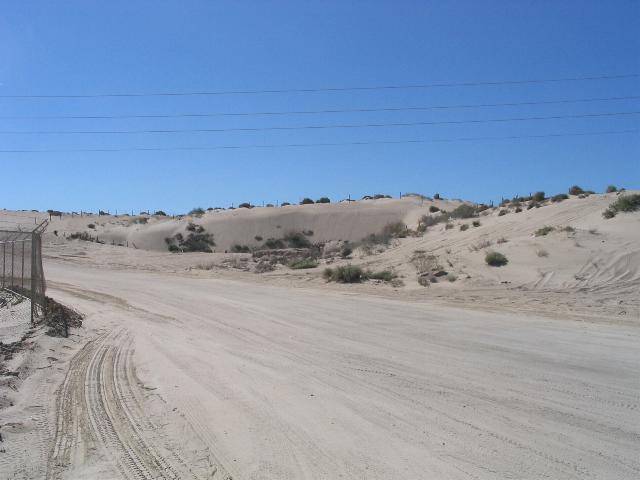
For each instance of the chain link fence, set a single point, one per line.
(22, 280)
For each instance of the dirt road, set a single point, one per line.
(201, 378)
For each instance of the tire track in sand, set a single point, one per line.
(99, 414)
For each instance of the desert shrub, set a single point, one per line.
(275, 244)
(480, 245)
(384, 275)
(463, 211)
(424, 281)
(237, 248)
(198, 240)
(346, 251)
(495, 259)
(436, 196)
(141, 220)
(448, 226)
(307, 233)
(245, 205)
(102, 212)
(503, 212)
(476, 223)
(264, 266)
(518, 209)
(576, 190)
(91, 225)
(426, 221)
(568, 229)
(160, 213)
(612, 188)
(559, 197)
(306, 201)
(344, 274)
(502, 240)
(538, 197)
(296, 240)
(84, 236)
(284, 204)
(197, 212)
(541, 232)
(464, 227)
(323, 200)
(433, 209)
(541, 252)
(624, 203)
(424, 262)
(301, 263)
(389, 232)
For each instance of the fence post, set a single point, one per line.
(4, 251)
(22, 272)
(12, 262)
(33, 276)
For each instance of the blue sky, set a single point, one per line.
(89, 47)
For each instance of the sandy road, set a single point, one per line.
(193, 376)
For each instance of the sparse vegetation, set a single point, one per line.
(624, 203)
(568, 229)
(92, 226)
(502, 240)
(495, 259)
(245, 205)
(346, 251)
(448, 226)
(542, 252)
(543, 231)
(559, 197)
(464, 227)
(258, 238)
(302, 263)
(323, 200)
(344, 274)
(264, 266)
(433, 209)
(481, 244)
(503, 212)
(464, 211)
(197, 212)
(307, 201)
(538, 197)
(296, 240)
(518, 209)
(384, 275)
(237, 248)
(274, 244)
(476, 223)
(284, 204)
(160, 213)
(198, 240)
(576, 190)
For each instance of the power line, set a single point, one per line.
(334, 89)
(310, 112)
(332, 144)
(310, 127)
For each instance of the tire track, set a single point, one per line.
(99, 413)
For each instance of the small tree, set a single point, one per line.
(323, 200)
(612, 188)
(576, 190)
(538, 197)
(306, 201)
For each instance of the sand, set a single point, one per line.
(180, 372)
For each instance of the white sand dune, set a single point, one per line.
(523, 371)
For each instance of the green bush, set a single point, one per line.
(541, 232)
(503, 212)
(495, 259)
(518, 210)
(245, 205)
(464, 227)
(301, 263)
(197, 240)
(344, 274)
(197, 212)
(433, 209)
(323, 200)
(296, 240)
(612, 188)
(306, 201)
(92, 226)
(463, 211)
(346, 251)
(560, 197)
(237, 248)
(160, 213)
(476, 223)
(448, 226)
(624, 203)
(576, 190)
(538, 197)
(274, 244)
(384, 275)
(258, 238)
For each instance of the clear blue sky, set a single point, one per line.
(89, 47)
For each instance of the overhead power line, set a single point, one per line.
(328, 144)
(311, 127)
(334, 89)
(313, 112)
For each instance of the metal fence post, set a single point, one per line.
(12, 262)
(4, 251)
(33, 276)
(22, 279)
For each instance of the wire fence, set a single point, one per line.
(21, 272)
